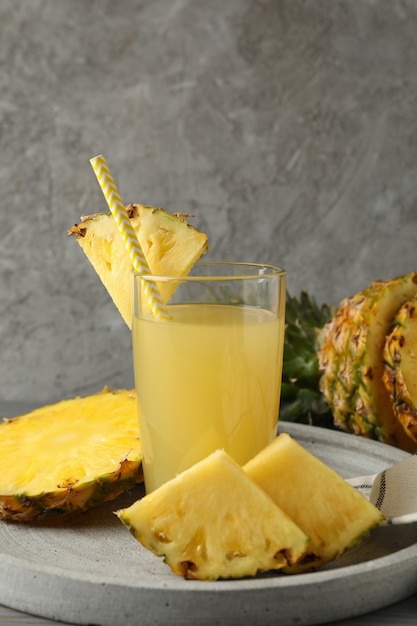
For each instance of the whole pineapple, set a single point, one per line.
(334, 370)
(351, 361)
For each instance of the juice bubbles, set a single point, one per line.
(208, 378)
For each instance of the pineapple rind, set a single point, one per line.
(351, 361)
(213, 522)
(400, 367)
(333, 514)
(25, 508)
(69, 456)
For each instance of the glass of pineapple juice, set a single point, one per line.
(209, 377)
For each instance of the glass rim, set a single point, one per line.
(270, 271)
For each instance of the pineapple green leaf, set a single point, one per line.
(301, 398)
(306, 406)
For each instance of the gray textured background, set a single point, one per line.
(288, 127)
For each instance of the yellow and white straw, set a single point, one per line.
(121, 217)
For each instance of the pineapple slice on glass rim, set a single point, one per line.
(170, 244)
(69, 456)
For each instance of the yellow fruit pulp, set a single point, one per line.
(171, 247)
(69, 455)
(213, 522)
(332, 513)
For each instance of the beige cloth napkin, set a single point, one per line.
(393, 491)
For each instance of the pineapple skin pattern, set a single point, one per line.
(360, 364)
(400, 367)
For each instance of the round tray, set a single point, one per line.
(88, 569)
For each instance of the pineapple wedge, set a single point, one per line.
(169, 243)
(69, 456)
(400, 367)
(331, 512)
(213, 522)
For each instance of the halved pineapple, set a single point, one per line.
(400, 367)
(171, 246)
(213, 522)
(331, 512)
(351, 361)
(69, 456)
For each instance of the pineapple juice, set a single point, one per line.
(208, 378)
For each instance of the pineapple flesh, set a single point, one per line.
(69, 456)
(351, 361)
(400, 367)
(330, 511)
(171, 247)
(213, 522)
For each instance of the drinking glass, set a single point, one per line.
(209, 377)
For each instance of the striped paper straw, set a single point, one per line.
(121, 217)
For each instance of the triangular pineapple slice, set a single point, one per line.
(322, 503)
(212, 522)
(69, 456)
(170, 245)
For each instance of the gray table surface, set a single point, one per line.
(402, 614)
